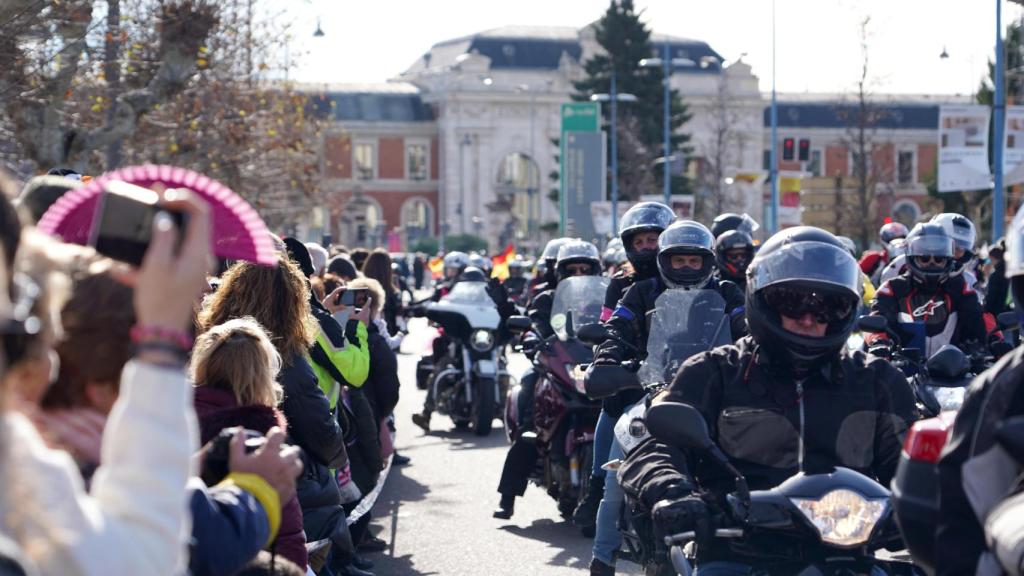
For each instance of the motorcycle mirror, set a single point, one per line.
(949, 363)
(604, 380)
(1007, 320)
(1010, 435)
(678, 424)
(518, 323)
(872, 324)
(592, 334)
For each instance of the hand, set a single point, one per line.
(363, 315)
(167, 284)
(278, 465)
(497, 291)
(77, 431)
(333, 300)
(687, 514)
(881, 350)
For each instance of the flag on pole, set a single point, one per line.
(436, 266)
(500, 262)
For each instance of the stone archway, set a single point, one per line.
(417, 220)
(517, 189)
(362, 222)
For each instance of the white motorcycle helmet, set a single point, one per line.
(964, 235)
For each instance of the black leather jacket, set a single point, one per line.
(855, 410)
(995, 395)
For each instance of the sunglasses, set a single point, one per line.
(578, 269)
(736, 256)
(794, 303)
(939, 261)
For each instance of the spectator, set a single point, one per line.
(41, 192)
(234, 367)
(318, 254)
(378, 267)
(359, 256)
(418, 266)
(343, 268)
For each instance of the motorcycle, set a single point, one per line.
(830, 522)
(1004, 523)
(466, 382)
(564, 418)
(684, 323)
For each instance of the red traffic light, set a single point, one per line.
(805, 150)
(787, 149)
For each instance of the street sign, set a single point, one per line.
(579, 117)
(583, 162)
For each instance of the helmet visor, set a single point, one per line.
(930, 246)
(811, 263)
(1014, 254)
(650, 215)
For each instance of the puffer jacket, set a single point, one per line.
(217, 409)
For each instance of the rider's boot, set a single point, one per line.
(422, 420)
(586, 513)
(598, 568)
(506, 507)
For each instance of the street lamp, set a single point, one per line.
(319, 32)
(531, 190)
(668, 64)
(614, 97)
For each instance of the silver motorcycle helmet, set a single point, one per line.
(686, 238)
(578, 252)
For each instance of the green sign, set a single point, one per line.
(576, 117)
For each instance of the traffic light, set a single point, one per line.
(787, 149)
(805, 150)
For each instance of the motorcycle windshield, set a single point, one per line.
(578, 301)
(684, 323)
(468, 293)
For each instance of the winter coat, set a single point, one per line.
(135, 518)
(229, 526)
(382, 383)
(217, 409)
(312, 424)
(364, 449)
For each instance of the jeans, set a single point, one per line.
(607, 538)
(604, 433)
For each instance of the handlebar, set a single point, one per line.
(684, 537)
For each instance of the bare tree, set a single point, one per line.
(860, 140)
(718, 151)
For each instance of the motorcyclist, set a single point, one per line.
(610, 258)
(639, 230)
(792, 373)
(734, 249)
(517, 280)
(546, 277)
(455, 263)
(971, 453)
(874, 260)
(732, 221)
(964, 235)
(927, 293)
(575, 258)
(482, 262)
(505, 307)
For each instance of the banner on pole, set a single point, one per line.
(1013, 146)
(963, 148)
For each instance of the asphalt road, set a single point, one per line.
(436, 512)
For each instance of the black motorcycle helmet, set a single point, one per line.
(577, 252)
(686, 237)
(929, 241)
(732, 240)
(802, 269)
(644, 217)
(472, 274)
(732, 221)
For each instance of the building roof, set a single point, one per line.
(386, 102)
(840, 114)
(542, 47)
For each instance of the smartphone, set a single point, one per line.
(123, 225)
(352, 297)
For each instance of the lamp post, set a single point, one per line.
(460, 209)
(999, 113)
(773, 160)
(614, 97)
(668, 64)
(531, 190)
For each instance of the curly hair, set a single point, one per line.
(275, 296)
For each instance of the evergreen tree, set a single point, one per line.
(626, 41)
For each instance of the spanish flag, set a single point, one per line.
(436, 266)
(500, 262)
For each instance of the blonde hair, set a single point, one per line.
(238, 356)
(376, 292)
(276, 296)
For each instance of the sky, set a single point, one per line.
(818, 46)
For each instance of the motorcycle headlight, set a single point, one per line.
(481, 340)
(578, 376)
(842, 517)
(950, 398)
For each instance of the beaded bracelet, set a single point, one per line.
(147, 334)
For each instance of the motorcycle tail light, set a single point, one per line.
(926, 438)
(843, 517)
